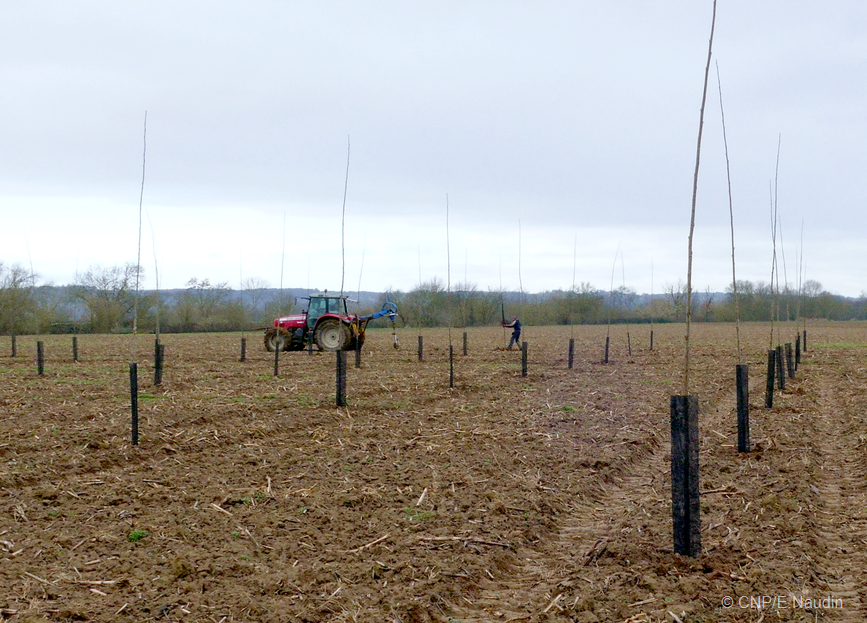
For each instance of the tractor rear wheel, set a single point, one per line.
(277, 338)
(331, 334)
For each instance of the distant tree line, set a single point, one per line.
(102, 300)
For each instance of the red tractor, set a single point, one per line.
(327, 323)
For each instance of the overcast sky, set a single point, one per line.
(560, 132)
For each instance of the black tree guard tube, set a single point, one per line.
(133, 400)
(781, 369)
(341, 378)
(769, 385)
(159, 358)
(797, 351)
(685, 501)
(277, 348)
(743, 389)
(451, 366)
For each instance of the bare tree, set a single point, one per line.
(108, 293)
(622, 299)
(17, 304)
(426, 305)
(707, 304)
(255, 289)
(676, 296)
(208, 297)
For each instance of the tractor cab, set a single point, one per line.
(321, 304)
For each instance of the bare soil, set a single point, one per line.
(252, 497)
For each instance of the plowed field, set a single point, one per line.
(251, 497)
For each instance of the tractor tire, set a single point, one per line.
(277, 338)
(331, 334)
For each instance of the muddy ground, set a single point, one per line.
(252, 497)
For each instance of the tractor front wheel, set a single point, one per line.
(331, 334)
(277, 338)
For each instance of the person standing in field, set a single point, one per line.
(515, 325)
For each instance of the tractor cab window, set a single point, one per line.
(316, 309)
(336, 306)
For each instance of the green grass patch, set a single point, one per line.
(303, 400)
(136, 535)
(419, 515)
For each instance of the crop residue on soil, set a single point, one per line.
(542, 498)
